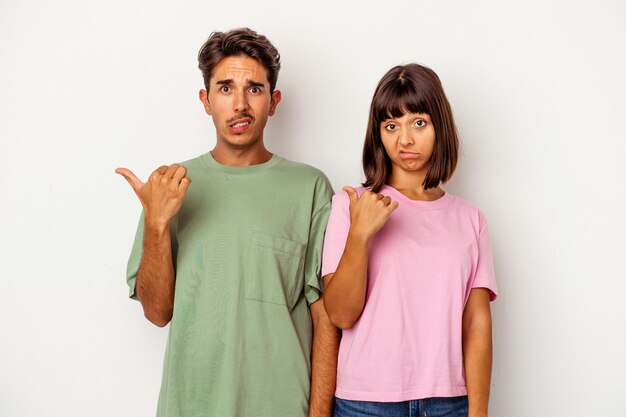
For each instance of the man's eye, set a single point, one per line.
(255, 90)
(225, 89)
(420, 123)
(390, 127)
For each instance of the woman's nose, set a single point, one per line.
(405, 138)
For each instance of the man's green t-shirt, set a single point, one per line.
(247, 253)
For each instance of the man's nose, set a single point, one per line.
(241, 102)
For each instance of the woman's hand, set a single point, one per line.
(369, 212)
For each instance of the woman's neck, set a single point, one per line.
(411, 185)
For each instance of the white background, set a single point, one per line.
(538, 92)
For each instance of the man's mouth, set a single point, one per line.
(240, 125)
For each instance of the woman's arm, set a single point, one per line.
(477, 351)
(344, 293)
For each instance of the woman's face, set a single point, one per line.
(409, 141)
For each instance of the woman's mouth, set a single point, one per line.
(409, 155)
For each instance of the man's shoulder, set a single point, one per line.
(192, 163)
(302, 179)
(300, 169)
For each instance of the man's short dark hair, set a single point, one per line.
(410, 88)
(241, 41)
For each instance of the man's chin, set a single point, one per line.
(241, 142)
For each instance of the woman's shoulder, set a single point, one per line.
(462, 202)
(466, 206)
(341, 194)
(341, 198)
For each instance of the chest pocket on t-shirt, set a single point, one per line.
(275, 270)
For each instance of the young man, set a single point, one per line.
(233, 261)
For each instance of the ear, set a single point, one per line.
(276, 96)
(204, 98)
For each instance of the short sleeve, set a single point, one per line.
(313, 286)
(336, 233)
(484, 276)
(134, 260)
(136, 252)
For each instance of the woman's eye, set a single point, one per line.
(390, 127)
(420, 123)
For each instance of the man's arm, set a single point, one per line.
(155, 277)
(161, 197)
(477, 351)
(323, 363)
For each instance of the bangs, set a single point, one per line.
(397, 98)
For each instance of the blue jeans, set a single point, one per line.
(429, 407)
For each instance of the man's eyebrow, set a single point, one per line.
(255, 84)
(250, 83)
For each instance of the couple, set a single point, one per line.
(234, 260)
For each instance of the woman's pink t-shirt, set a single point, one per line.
(422, 266)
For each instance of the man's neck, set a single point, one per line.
(240, 157)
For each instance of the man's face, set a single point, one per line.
(239, 101)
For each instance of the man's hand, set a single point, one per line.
(162, 195)
(369, 212)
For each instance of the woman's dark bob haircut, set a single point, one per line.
(404, 89)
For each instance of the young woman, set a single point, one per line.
(407, 267)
